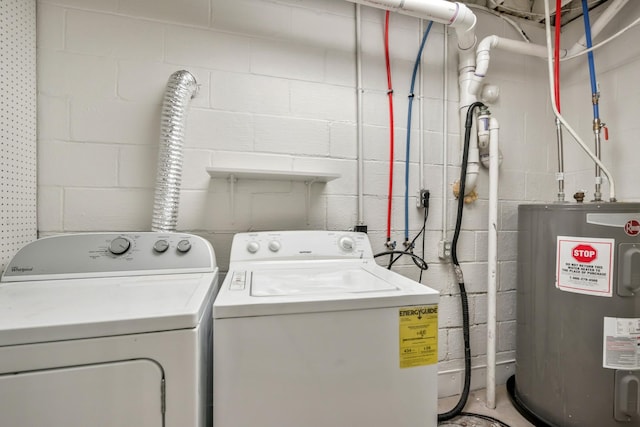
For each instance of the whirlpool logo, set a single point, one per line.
(16, 269)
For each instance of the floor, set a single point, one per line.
(504, 411)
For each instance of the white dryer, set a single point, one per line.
(310, 332)
(108, 330)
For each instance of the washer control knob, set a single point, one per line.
(347, 244)
(161, 246)
(253, 247)
(274, 246)
(184, 246)
(119, 245)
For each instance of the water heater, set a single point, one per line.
(578, 314)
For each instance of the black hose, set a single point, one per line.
(521, 407)
(418, 261)
(454, 257)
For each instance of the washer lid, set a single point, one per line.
(308, 281)
(304, 287)
(57, 310)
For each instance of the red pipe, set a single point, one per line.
(556, 54)
(391, 127)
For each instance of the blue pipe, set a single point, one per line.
(411, 96)
(592, 66)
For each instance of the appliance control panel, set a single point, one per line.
(281, 245)
(110, 254)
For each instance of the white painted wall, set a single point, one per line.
(277, 86)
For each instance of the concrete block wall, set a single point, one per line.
(277, 87)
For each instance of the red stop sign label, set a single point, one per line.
(584, 253)
(632, 227)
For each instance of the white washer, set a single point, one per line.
(310, 332)
(108, 330)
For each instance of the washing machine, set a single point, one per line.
(310, 332)
(108, 330)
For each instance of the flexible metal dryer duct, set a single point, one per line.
(181, 87)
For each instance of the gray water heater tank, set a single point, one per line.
(578, 314)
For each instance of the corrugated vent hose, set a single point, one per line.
(181, 87)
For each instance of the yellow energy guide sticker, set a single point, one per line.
(418, 335)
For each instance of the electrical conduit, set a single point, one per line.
(445, 134)
(359, 134)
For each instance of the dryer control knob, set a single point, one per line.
(274, 246)
(161, 246)
(253, 247)
(347, 243)
(184, 246)
(119, 245)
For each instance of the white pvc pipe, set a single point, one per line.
(483, 56)
(492, 288)
(603, 42)
(597, 26)
(547, 24)
(456, 15)
(506, 19)
(359, 119)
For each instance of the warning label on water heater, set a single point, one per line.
(584, 265)
(621, 347)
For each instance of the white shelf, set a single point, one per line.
(271, 174)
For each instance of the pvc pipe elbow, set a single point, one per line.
(482, 63)
(464, 22)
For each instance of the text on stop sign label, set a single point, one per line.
(584, 253)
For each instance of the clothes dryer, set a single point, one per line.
(310, 331)
(108, 330)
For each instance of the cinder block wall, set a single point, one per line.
(277, 87)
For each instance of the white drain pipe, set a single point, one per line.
(483, 56)
(456, 15)
(597, 26)
(492, 259)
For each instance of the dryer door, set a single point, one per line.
(127, 393)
